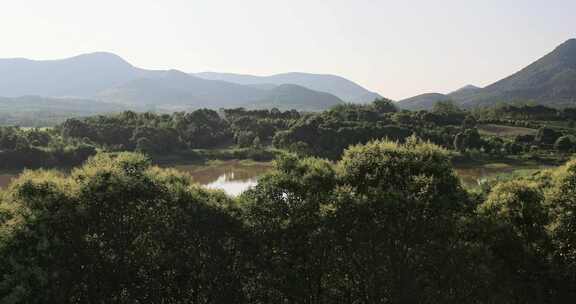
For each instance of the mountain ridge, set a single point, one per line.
(108, 77)
(342, 87)
(550, 80)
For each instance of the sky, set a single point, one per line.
(397, 48)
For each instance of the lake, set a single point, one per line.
(234, 176)
(470, 176)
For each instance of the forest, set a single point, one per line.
(531, 132)
(362, 206)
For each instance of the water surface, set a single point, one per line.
(235, 177)
(472, 176)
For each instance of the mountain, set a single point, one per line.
(426, 101)
(422, 102)
(36, 111)
(465, 92)
(551, 81)
(335, 85)
(175, 89)
(180, 89)
(80, 76)
(56, 105)
(291, 96)
(109, 78)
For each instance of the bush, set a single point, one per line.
(564, 144)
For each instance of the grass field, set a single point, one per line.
(504, 131)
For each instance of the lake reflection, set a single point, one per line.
(231, 185)
(472, 176)
(234, 177)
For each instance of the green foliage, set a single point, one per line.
(468, 139)
(562, 200)
(329, 133)
(564, 144)
(469, 123)
(397, 214)
(384, 105)
(286, 213)
(118, 230)
(386, 221)
(245, 139)
(547, 136)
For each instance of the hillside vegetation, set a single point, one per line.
(549, 81)
(388, 223)
(362, 205)
(109, 78)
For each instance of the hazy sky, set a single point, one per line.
(399, 48)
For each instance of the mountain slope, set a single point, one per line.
(422, 102)
(56, 105)
(108, 77)
(178, 89)
(465, 92)
(290, 96)
(80, 76)
(335, 85)
(551, 81)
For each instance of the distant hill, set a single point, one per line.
(174, 89)
(291, 96)
(80, 76)
(56, 105)
(551, 81)
(422, 102)
(335, 85)
(465, 92)
(108, 77)
(36, 111)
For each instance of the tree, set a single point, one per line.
(77, 129)
(547, 136)
(515, 223)
(468, 139)
(446, 107)
(561, 198)
(144, 145)
(118, 231)
(564, 144)
(448, 113)
(384, 105)
(286, 213)
(469, 123)
(256, 143)
(245, 139)
(396, 217)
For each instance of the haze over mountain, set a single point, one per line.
(108, 77)
(80, 76)
(43, 104)
(551, 81)
(424, 101)
(46, 111)
(178, 90)
(333, 84)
